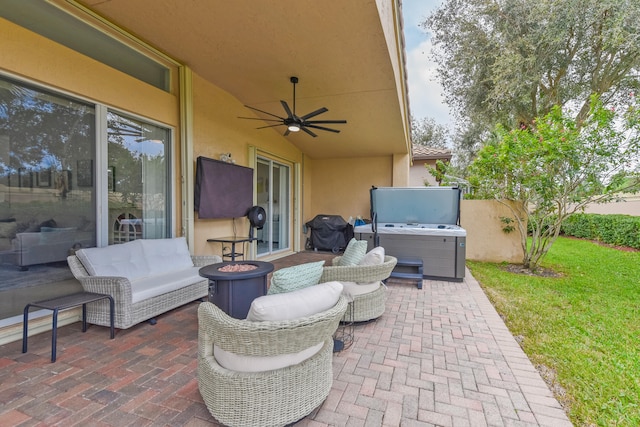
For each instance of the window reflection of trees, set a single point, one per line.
(43, 135)
(45, 211)
(137, 158)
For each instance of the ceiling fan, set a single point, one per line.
(293, 122)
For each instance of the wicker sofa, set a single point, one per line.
(366, 288)
(145, 278)
(267, 395)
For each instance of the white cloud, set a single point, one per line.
(425, 93)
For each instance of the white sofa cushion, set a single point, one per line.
(152, 286)
(124, 260)
(296, 304)
(165, 255)
(286, 306)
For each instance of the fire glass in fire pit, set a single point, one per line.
(236, 268)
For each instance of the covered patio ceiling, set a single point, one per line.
(346, 57)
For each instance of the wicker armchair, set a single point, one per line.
(365, 306)
(269, 398)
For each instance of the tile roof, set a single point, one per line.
(425, 152)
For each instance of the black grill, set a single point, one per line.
(329, 233)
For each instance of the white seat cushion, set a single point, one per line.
(149, 287)
(355, 289)
(277, 307)
(241, 363)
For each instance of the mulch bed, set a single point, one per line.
(540, 271)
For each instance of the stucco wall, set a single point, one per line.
(217, 130)
(627, 205)
(485, 239)
(41, 60)
(487, 242)
(418, 173)
(341, 186)
(400, 173)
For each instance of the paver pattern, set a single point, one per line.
(439, 356)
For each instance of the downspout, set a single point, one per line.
(186, 154)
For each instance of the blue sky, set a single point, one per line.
(425, 94)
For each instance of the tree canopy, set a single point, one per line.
(510, 61)
(427, 132)
(556, 168)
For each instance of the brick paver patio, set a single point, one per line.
(439, 356)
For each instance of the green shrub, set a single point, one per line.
(621, 230)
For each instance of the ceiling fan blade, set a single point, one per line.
(315, 122)
(258, 118)
(314, 113)
(265, 112)
(286, 132)
(286, 108)
(321, 128)
(308, 131)
(270, 126)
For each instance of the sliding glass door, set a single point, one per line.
(47, 192)
(273, 194)
(137, 179)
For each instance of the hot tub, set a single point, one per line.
(441, 247)
(418, 229)
(422, 223)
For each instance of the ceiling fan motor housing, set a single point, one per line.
(294, 122)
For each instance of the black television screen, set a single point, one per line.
(223, 190)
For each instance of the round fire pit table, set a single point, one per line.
(233, 291)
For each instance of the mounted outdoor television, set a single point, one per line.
(222, 190)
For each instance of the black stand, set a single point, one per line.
(232, 240)
(61, 303)
(343, 337)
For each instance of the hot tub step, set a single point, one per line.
(409, 268)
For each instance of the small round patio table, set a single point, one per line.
(233, 291)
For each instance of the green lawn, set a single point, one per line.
(583, 327)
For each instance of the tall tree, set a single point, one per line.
(509, 61)
(427, 132)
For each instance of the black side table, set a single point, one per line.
(61, 303)
(233, 240)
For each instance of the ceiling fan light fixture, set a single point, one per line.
(293, 122)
